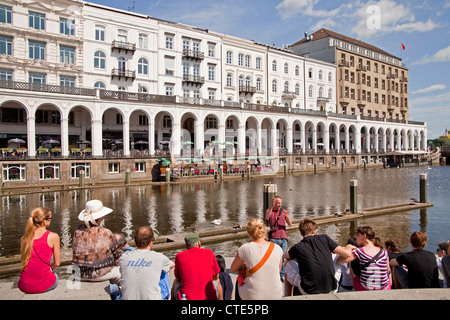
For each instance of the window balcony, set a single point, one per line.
(247, 89)
(193, 79)
(122, 45)
(193, 54)
(127, 74)
(289, 95)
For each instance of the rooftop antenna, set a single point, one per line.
(132, 8)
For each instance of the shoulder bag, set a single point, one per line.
(245, 272)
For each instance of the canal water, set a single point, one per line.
(179, 208)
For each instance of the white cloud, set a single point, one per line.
(391, 17)
(442, 55)
(289, 8)
(434, 87)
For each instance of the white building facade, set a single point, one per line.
(74, 71)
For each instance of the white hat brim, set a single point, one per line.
(96, 215)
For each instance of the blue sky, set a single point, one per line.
(422, 26)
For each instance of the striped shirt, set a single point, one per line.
(375, 276)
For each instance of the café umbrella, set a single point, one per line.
(16, 140)
(51, 141)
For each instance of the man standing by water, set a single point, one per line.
(278, 218)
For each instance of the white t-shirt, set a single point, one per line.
(264, 284)
(140, 272)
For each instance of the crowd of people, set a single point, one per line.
(314, 265)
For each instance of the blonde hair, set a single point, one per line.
(37, 218)
(256, 228)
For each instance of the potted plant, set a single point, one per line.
(42, 149)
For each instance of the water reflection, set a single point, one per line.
(180, 208)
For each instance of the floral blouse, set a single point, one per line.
(94, 251)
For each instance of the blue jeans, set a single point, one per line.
(283, 244)
(54, 284)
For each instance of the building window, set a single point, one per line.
(229, 57)
(169, 42)
(5, 14)
(169, 90)
(14, 172)
(211, 73)
(66, 55)
(320, 75)
(297, 89)
(99, 33)
(330, 77)
(5, 74)
(211, 50)
(99, 60)
(143, 41)
(122, 35)
(229, 80)
(274, 65)
(286, 68)
(99, 85)
(258, 84)
(310, 73)
(139, 167)
(258, 63)
(310, 91)
(36, 20)
(37, 50)
(6, 45)
(38, 78)
(211, 94)
(167, 121)
(48, 171)
(240, 59)
(274, 86)
(114, 167)
(143, 66)
(211, 123)
(65, 81)
(76, 168)
(247, 61)
(67, 26)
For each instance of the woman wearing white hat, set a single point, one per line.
(95, 253)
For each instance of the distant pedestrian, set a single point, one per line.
(263, 260)
(313, 255)
(141, 269)
(37, 247)
(278, 219)
(421, 264)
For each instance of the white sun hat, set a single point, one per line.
(93, 210)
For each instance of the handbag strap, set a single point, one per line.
(251, 271)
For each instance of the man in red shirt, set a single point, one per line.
(197, 270)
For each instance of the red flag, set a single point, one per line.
(403, 47)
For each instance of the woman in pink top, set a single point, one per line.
(37, 247)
